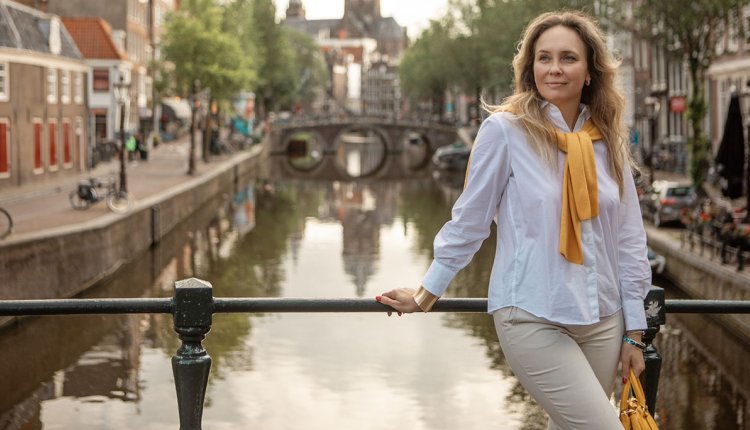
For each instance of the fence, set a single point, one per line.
(193, 305)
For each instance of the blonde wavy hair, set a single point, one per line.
(604, 100)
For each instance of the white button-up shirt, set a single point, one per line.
(509, 183)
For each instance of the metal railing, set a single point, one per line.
(192, 307)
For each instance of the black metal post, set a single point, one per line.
(193, 307)
(655, 317)
(123, 153)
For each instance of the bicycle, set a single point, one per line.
(92, 190)
(6, 223)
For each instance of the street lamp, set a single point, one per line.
(121, 94)
(654, 106)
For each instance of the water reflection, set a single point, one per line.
(305, 150)
(318, 239)
(360, 152)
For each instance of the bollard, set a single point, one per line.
(192, 309)
(655, 317)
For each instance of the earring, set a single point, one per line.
(588, 81)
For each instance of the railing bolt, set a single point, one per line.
(193, 306)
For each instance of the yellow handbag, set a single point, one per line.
(633, 410)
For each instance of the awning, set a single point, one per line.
(180, 107)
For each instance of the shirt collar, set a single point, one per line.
(554, 114)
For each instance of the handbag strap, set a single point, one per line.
(635, 384)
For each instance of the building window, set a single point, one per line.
(78, 88)
(4, 148)
(77, 140)
(100, 126)
(101, 80)
(51, 85)
(65, 86)
(4, 85)
(52, 135)
(38, 167)
(67, 153)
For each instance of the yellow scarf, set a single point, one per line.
(580, 198)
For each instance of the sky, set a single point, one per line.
(413, 14)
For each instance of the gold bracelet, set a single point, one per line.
(425, 299)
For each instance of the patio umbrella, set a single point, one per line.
(730, 160)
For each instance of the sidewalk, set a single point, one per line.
(40, 207)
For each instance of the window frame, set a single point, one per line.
(78, 88)
(66, 144)
(52, 85)
(65, 86)
(5, 87)
(52, 151)
(8, 149)
(38, 145)
(94, 87)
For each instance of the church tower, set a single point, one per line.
(295, 10)
(367, 9)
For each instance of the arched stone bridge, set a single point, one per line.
(394, 133)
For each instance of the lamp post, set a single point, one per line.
(121, 93)
(654, 106)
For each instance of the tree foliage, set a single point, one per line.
(691, 32)
(195, 43)
(471, 47)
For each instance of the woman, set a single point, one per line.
(550, 166)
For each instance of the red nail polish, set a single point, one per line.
(624, 380)
(377, 298)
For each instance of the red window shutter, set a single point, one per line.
(66, 143)
(52, 144)
(4, 150)
(37, 145)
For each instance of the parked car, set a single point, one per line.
(452, 157)
(664, 201)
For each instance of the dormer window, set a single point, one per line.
(55, 44)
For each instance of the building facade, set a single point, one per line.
(43, 102)
(352, 46)
(107, 64)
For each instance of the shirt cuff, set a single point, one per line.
(635, 315)
(425, 299)
(437, 278)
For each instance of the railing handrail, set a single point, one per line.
(40, 307)
(193, 305)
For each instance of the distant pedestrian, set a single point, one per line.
(131, 146)
(141, 147)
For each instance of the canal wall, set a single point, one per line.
(702, 278)
(62, 262)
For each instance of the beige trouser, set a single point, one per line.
(569, 370)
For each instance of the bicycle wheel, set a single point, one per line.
(119, 201)
(77, 202)
(6, 223)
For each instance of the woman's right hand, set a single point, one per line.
(400, 299)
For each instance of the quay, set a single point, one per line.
(55, 251)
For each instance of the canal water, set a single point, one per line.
(321, 238)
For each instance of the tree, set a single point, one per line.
(426, 68)
(204, 56)
(472, 47)
(308, 68)
(690, 31)
(275, 82)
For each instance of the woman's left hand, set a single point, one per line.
(631, 356)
